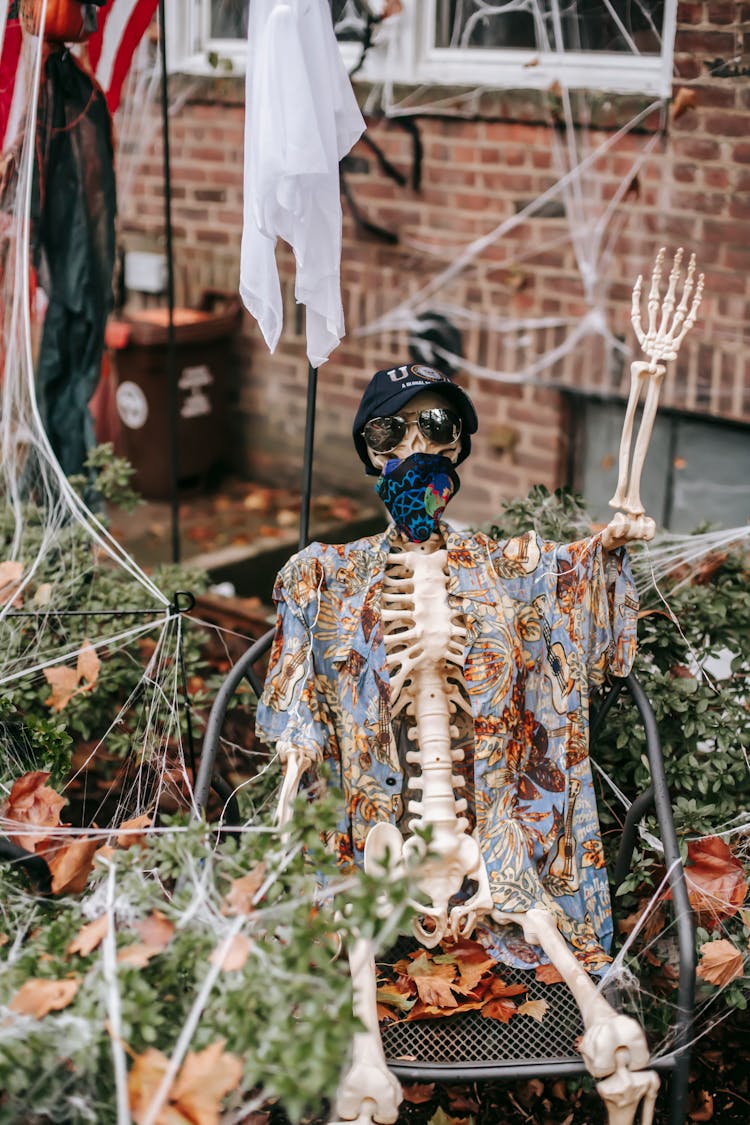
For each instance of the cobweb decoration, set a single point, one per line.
(59, 564)
(57, 552)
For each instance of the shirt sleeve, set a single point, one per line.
(606, 605)
(292, 710)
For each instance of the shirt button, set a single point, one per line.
(390, 781)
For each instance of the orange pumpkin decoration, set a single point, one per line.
(64, 20)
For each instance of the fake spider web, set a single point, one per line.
(47, 516)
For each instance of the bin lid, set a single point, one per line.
(150, 327)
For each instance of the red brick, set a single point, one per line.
(741, 154)
(705, 43)
(722, 12)
(698, 148)
(687, 67)
(715, 177)
(727, 124)
(689, 13)
(717, 97)
(684, 173)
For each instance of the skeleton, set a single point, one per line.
(424, 644)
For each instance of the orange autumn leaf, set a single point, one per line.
(89, 937)
(10, 576)
(137, 955)
(32, 802)
(37, 997)
(686, 98)
(70, 865)
(205, 1079)
(499, 1008)
(68, 682)
(419, 1094)
(472, 961)
(720, 963)
(196, 1095)
(715, 879)
(155, 930)
(547, 974)
(433, 981)
(239, 900)
(64, 684)
(232, 957)
(126, 837)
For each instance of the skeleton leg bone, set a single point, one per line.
(368, 1091)
(613, 1045)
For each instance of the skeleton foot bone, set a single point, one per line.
(625, 1090)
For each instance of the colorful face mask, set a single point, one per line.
(415, 491)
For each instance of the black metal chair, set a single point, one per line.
(467, 1047)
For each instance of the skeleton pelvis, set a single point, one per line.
(439, 867)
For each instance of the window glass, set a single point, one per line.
(634, 26)
(229, 19)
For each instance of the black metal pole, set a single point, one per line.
(307, 458)
(174, 451)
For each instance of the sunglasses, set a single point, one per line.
(438, 425)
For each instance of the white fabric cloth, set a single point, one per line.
(301, 118)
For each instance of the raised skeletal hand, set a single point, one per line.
(668, 324)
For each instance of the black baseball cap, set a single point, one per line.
(390, 389)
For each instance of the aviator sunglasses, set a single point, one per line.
(437, 425)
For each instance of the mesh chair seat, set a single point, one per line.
(471, 1039)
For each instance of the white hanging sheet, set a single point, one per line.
(301, 118)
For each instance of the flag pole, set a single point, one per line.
(174, 449)
(307, 457)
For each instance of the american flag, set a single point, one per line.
(121, 26)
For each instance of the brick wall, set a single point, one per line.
(691, 188)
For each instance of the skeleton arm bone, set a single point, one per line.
(294, 762)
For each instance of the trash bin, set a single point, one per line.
(138, 346)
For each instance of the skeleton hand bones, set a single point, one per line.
(660, 342)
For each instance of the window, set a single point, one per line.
(691, 473)
(618, 45)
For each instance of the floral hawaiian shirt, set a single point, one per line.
(544, 624)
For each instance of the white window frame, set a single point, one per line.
(420, 62)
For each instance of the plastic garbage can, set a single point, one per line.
(138, 347)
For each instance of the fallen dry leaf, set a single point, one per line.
(43, 595)
(419, 1094)
(32, 802)
(239, 900)
(88, 663)
(715, 879)
(37, 997)
(547, 974)
(537, 1009)
(138, 954)
(10, 576)
(70, 865)
(233, 957)
(68, 682)
(704, 1109)
(685, 99)
(89, 937)
(720, 963)
(433, 981)
(126, 837)
(155, 930)
(472, 961)
(205, 1079)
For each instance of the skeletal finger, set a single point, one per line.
(653, 297)
(669, 300)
